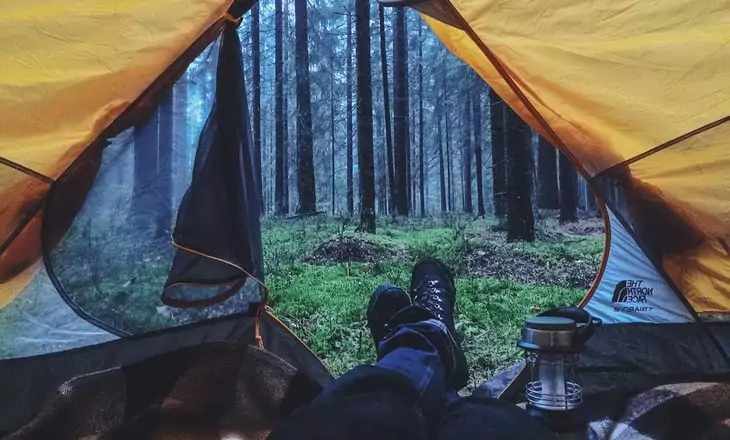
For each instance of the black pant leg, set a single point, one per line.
(367, 403)
(475, 418)
(399, 398)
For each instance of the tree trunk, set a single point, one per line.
(350, 174)
(152, 192)
(520, 219)
(411, 157)
(499, 166)
(305, 153)
(332, 136)
(279, 116)
(165, 168)
(381, 167)
(591, 201)
(365, 161)
(477, 114)
(420, 121)
(256, 104)
(547, 176)
(466, 150)
(287, 134)
(287, 149)
(449, 161)
(287, 114)
(581, 190)
(442, 177)
(386, 103)
(182, 169)
(400, 111)
(568, 195)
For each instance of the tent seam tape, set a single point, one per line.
(22, 225)
(665, 145)
(26, 170)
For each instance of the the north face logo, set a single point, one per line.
(631, 291)
(619, 293)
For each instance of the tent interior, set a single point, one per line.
(602, 81)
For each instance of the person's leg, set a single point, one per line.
(434, 293)
(477, 418)
(386, 400)
(403, 394)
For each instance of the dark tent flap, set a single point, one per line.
(113, 261)
(217, 231)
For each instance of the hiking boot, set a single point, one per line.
(432, 289)
(384, 304)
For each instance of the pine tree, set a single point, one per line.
(568, 194)
(256, 101)
(477, 125)
(279, 115)
(449, 160)
(350, 174)
(466, 151)
(152, 193)
(386, 104)
(520, 219)
(332, 138)
(499, 165)
(366, 166)
(305, 142)
(400, 111)
(164, 169)
(286, 154)
(547, 176)
(421, 178)
(442, 176)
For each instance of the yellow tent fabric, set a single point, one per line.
(609, 81)
(68, 68)
(641, 86)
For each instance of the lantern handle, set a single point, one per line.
(587, 324)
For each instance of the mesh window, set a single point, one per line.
(40, 322)
(161, 179)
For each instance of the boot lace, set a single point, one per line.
(428, 295)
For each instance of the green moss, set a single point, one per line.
(325, 304)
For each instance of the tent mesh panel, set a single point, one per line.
(183, 173)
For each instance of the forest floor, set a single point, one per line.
(320, 273)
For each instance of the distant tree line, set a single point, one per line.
(361, 111)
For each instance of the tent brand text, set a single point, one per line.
(634, 293)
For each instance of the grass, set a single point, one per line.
(322, 296)
(325, 303)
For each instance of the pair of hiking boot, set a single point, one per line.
(431, 296)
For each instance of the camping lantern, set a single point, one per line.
(552, 345)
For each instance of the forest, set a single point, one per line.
(374, 146)
(361, 111)
(377, 147)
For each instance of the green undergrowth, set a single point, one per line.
(324, 301)
(321, 271)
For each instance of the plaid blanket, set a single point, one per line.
(685, 411)
(211, 391)
(223, 390)
(681, 411)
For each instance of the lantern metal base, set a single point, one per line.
(560, 421)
